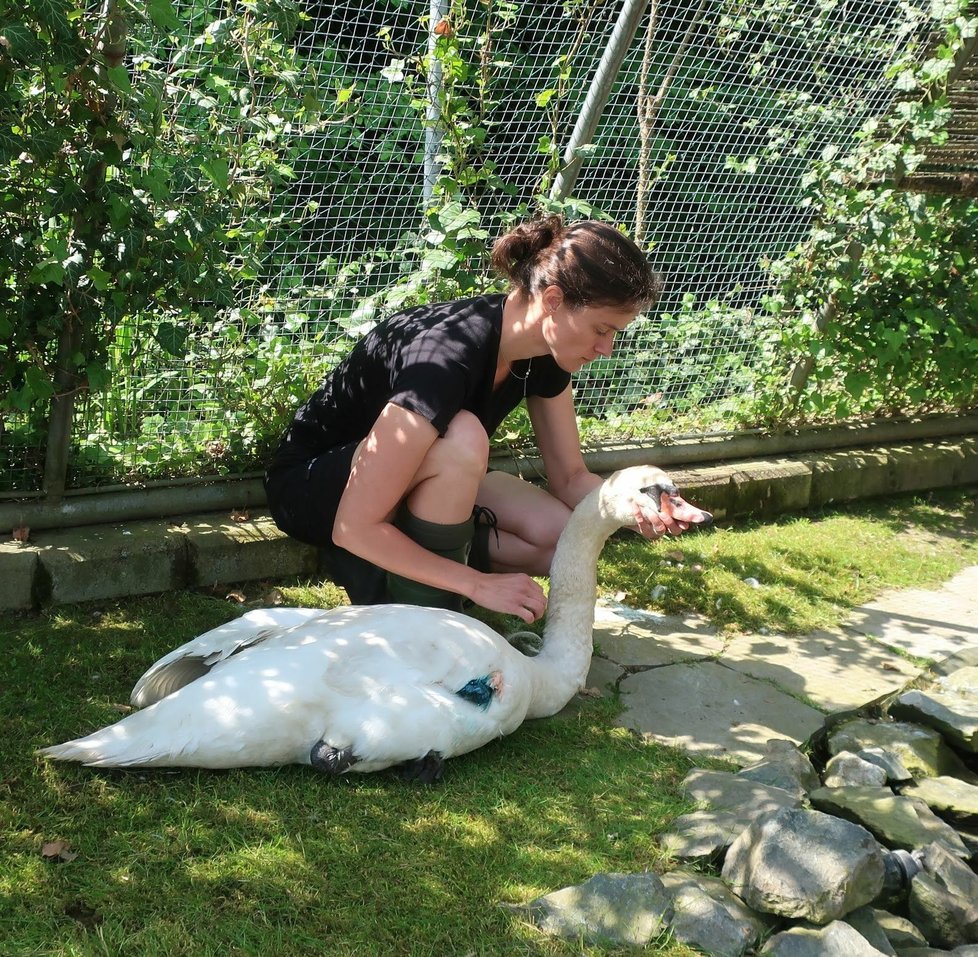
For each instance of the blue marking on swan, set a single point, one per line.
(481, 690)
(365, 688)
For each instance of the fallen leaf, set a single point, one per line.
(590, 693)
(119, 708)
(237, 596)
(57, 851)
(240, 515)
(22, 533)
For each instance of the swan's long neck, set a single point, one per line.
(561, 667)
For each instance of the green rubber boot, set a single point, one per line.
(449, 541)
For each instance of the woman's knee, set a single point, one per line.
(464, 446)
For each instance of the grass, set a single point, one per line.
(809, 570)
(285, 862)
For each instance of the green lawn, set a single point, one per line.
(285, 862)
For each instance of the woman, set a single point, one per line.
(383, 466)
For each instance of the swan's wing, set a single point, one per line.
(420, 680)
(195, 658)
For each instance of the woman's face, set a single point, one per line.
(578, 335)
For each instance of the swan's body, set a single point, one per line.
(366, 687)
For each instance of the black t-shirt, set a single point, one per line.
(434, 360)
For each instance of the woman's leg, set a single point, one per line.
(437, 511)
(530, 521)
(444, 488)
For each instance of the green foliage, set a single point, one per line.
(135, 180)
(880, 298)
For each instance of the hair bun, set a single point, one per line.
(514, 253)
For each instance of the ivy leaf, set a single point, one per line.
(53, 15)
(162, 14)
(21, 43)
(544, 97)
(216, 170)
(172, 338)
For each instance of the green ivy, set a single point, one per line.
(879, 307)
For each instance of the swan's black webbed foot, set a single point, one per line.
(324, 757)
(426, 770)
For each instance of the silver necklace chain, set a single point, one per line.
(522, 378)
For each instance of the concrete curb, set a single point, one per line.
(98, 562)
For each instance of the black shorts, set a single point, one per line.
(303, 497)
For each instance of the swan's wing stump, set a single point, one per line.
(197, 657)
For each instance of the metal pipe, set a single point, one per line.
(189, 496)
(433, 135)
(597, 95)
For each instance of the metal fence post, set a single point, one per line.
(433, 135)
(597, 95)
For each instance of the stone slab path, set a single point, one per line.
(683, 685)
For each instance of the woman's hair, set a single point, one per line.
(592, 262)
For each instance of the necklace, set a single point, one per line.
(522, 378)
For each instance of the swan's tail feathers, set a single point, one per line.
(101, 750)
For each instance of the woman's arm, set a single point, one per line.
(384, 472)
(555, 427)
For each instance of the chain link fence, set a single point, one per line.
(402, 172)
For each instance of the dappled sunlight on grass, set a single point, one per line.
(809, 570)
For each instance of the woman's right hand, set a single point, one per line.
(512, 594)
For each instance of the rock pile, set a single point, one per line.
(862, 842)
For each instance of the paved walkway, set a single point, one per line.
(682, 684)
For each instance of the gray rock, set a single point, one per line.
(957, 799)
(731, 803)
(708, 916)
(724, 791)
(896, 771)
(835, 940)
(949, 871)
(924, 951)
(620, 909)
(866, 921)
(923, 751)
(703, 835)
(784, 767)
(945, 919)
(800, 863)
(849, 770)
(968, 950)
(899, 931)
(896, 820)
(954, 715)
(963, 681)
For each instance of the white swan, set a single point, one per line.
(364, 688)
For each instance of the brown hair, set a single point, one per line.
(592, 262)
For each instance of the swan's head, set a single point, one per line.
(646, 490)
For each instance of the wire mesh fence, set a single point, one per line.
(716, 114)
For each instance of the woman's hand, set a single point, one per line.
(511, 594)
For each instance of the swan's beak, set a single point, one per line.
(669, 502)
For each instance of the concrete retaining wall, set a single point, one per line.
(100, 562)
